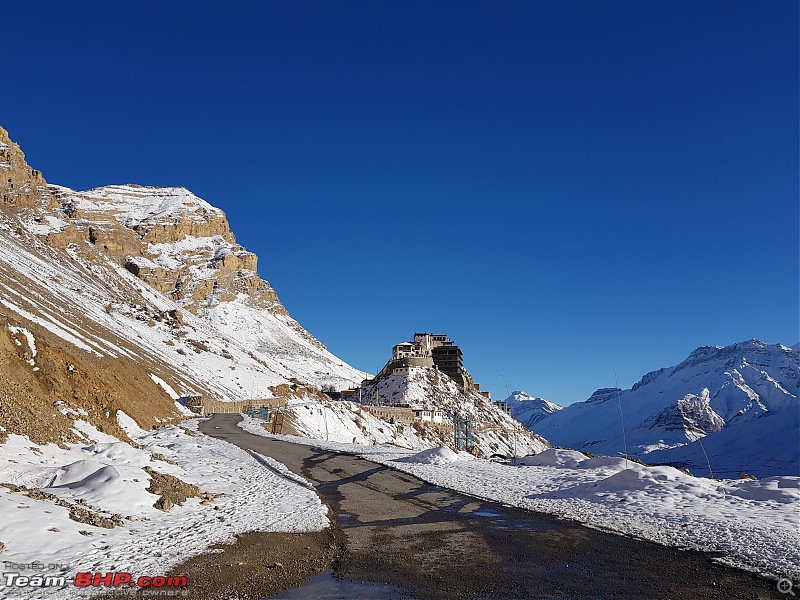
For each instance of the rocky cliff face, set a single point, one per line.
(21, 186)
(169, 238)
(177, 243)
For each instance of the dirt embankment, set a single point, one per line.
(62, 378)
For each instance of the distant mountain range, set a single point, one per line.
(731, 409)
(529, 410)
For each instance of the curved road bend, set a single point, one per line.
(438, 544)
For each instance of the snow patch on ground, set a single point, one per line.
(28, 336)
(108, 474)
(165, 386)
(129, 426)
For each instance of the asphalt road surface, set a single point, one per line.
(437, 544)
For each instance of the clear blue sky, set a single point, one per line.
(566, 188)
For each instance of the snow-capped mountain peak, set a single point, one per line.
(529, 410)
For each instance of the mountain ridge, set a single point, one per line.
(715, 389)
(529, 410)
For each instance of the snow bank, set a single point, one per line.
(435, 456)
(568, 459)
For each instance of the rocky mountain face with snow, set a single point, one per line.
(529, 410)
(117, 298)
(728, 409)
(125, 295)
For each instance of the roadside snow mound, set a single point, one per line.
(654, 480)
(785, 490)
(603, 462)
(565, 459)
(435, 456)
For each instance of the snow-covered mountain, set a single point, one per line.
(529, 410)
(737, 404)
(151, 283)
(123, 296)
(87, 254)
(183, 247)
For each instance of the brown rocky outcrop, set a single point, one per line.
(91, 218)
(203, 224)
(20, 185)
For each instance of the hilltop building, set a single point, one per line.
(430, 351)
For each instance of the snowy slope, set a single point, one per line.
(740, 400)
(494, 431)
(275, 336)
(101, 308)
(529, 410)
(86, 298)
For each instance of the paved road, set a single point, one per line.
(437, 544)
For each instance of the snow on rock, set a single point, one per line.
(134, 204)
(129, 426)
(165, 386)
(28, 336)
